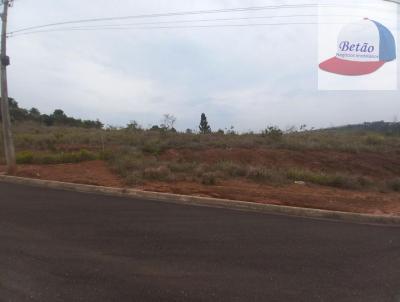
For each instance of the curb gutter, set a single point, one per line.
(207, 202)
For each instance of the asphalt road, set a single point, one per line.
(65, 246)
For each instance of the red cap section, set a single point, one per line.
(350, 68)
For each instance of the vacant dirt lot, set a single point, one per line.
(307, 195)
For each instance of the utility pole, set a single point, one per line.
(5, 112)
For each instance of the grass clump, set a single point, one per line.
(330, 180)
(182, 167)
(25, 157)
(209, 179)
(134, 178)
(263, 174)
(394, 185)
(375, 140)
(28, 157)
(161, 173)
(231, 169)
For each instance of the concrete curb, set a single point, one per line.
(207, 202)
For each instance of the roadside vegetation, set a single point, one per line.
(358, 157)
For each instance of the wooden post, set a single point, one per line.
(5, 61)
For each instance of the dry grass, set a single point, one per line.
(135, 154)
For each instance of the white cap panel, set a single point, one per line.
(359, 42)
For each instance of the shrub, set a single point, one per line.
(273, 133)
(152, 147)
(182, 167)
(231, 169)
(374, 140)
(24, 157)
(85, 155)
(159, 173)
(394, 185)
(106, 155)
(264, 174)
(209, 179)
(134, 178)
(332, 180)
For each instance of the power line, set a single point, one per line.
(216, 20)
(167, 27)
(215, 11)
(131, 25)
(35, 29)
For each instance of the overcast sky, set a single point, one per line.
(248, 77)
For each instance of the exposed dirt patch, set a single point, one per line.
(92, 173)
(310, 196)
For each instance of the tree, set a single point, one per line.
(204, 127)
(47, 120)
(155, 128)
(133, 126)
(59, 117)
(34, 113)
(168, 122)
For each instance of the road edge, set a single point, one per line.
(206, 201)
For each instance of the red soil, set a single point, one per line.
(90, 173)
(98, 173)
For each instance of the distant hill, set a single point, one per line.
(379, 127)
(57, 118)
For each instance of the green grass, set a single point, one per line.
(29, 157)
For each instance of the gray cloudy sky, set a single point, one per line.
(247, 77)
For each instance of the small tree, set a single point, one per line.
(168, 122)
(133, 126)
(204, 127)
(34, 113)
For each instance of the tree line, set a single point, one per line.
(57, 118)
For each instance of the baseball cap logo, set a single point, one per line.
(363, 48)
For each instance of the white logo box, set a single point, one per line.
(345, 20)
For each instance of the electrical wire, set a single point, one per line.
(216, 20)
(184, 13)
(168, 27)
(35, 29)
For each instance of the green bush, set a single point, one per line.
(152, 147)
(24, 157)
(273, 133)
(394, 185)
(209, 179)
(85, 155)
(374, 140)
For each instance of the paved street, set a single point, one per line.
(65, 246)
